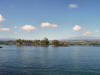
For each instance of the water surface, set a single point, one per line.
(29, 60)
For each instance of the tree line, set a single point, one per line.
(44, 42)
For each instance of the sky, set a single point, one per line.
(54, 19)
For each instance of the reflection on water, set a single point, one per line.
(74, 60)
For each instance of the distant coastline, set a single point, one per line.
(45, 42)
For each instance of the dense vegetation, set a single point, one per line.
(44, 42)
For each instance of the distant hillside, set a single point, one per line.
(7, 39)
(83, 38)
(7, 42)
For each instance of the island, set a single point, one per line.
(44, 42)
(64, 43)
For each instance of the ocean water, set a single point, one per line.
(29, 60)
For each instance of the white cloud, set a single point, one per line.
(47, 24)
(73, 6)
(15, 27)
(97, 31)
(1, 18)
(28, 27)
(87, 33)
(4, 29)
(15, 32)
(77, 28)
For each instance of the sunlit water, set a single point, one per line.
(73, 60)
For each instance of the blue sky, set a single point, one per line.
(54, 19)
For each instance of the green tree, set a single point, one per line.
(44, 42)
(55, 43)
(19, 42)
(36, 42)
